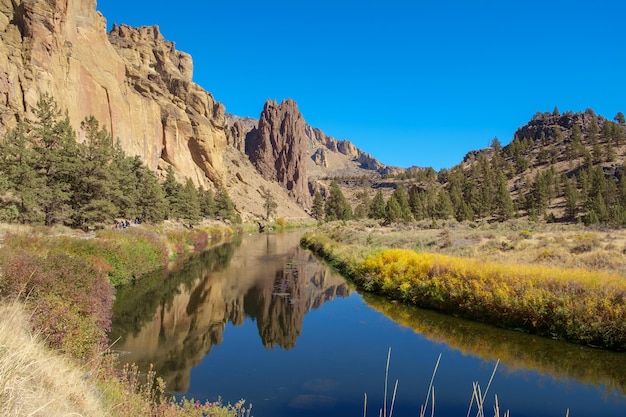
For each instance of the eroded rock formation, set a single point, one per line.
(132, 80)
(278, 148)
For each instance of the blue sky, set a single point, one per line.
(410, 82)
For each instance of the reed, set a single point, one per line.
(477, 401)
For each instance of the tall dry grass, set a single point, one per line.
(584, 305)
(35, 381)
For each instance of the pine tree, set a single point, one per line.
(173, 194)
(22, 180)
(207, 203)
(393, 210)
(377, 208)
(504, 204)
(337, 207)
(93, 182)
(443, 206)
(189, 202)
(54, 144)
(402, 198)
(318, 206)
(225, 207)
(571, 198)
(150, 204)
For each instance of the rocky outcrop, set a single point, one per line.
(237, 130)
(320, 157)
(348, 160)
(278, 148)
(132, 80)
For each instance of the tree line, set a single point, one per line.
(48, 177)
(520, 179)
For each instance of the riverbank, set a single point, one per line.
(59, 285)
(560, 282)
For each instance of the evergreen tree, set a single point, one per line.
(571, 198)
(225, 207)
(619, 118)
(402, 198)
(443, 206)
(504, 204)
(150, 204)
(207, 203)
(22, 180)
(54, 144)
(318, 206)
(189, 202)
(337, 207)
(417, 203)
(393, 210)
(377, 208)
(93, 182)
(173, 194)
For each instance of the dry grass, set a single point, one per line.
(516, 241)
(33, 380)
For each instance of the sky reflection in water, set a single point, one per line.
(272, 325)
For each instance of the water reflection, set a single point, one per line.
(173, 323)
(517, 351)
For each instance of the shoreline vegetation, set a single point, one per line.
(560, 282)
(57, 287)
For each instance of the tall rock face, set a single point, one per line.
(132, 80)
(278, 148)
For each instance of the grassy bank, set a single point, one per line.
(59, 285)
(576, 304)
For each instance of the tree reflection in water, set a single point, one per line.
(173, 321)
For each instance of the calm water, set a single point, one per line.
(261, 319)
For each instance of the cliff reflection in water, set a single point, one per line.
(173, 322)
(516, 350)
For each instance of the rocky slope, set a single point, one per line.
(140, 88)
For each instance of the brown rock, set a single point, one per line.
(133, 81)
(278, 148)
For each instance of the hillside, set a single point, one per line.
(566, 167)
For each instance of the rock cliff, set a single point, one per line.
(140, 88)
(278, 149)
(132, 80)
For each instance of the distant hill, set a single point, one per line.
(558, 167)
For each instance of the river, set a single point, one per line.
(262, 319)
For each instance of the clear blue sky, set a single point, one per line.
(410, 82)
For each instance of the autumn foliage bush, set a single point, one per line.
(70, 298)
